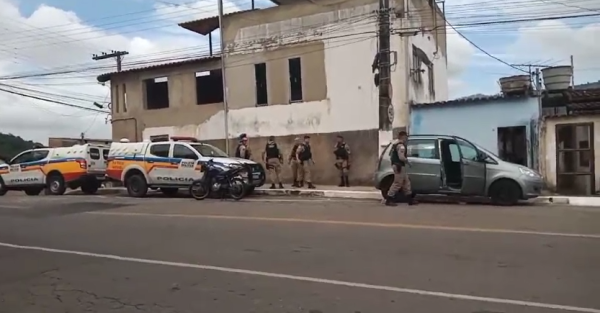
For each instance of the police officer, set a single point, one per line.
(341, 150)
(272, 158)
(293, 162)
(242, 150)
(304, 155)
(401, 180)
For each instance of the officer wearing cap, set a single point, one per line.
(242, 150)
(304, 155)
(294, 164)
(272, 158)
(399, 162)
(341, 150)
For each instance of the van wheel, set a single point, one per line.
(56, 185)
(505, 192)
(33, 191)
(89, 188)
(170, 192)
(137, 186)
(3, 189)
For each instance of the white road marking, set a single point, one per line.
(18, 207)
(351, 223)
(310, 279)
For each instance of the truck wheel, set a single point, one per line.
(3, 189)
(33, 191)
(89, 188)
(169, 192)
(137, 186)
(56, 185)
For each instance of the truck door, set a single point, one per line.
(26, 169)
(159, 166)
(95, 160)
(187, 157)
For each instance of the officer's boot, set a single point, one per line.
(347, 181)
(272, 186)
(311, 186)
(281, 186)
(295, 184)
(301, 184)
(389, 201)
(412, 200)
(342, 181)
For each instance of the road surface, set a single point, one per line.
(112, 254)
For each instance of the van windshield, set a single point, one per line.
(209, 150)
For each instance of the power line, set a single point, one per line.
(52, 101)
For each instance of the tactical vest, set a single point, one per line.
(238, 152)
(272, 150)
(294, 149)
(394, 157)
(341, 152)
(305, 155)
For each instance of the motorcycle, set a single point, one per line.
(219, 181)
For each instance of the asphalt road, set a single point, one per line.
(112, 254)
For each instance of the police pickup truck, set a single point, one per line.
(169, 164)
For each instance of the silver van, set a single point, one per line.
(441, 164)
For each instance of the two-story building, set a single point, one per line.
(295, 69)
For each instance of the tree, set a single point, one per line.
(11, 145)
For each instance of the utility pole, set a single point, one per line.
(113, 54)
(572, 72)
(384, 65)
(225, 104)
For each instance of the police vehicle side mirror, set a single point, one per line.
(481, 156)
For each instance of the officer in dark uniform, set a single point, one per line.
(294, 164)
(242, 150)
(341, 150)
(272, 158)
(401, 179)
(304, 155)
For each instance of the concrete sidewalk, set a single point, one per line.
(369, 193)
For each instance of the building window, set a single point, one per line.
(124, 98)
(295, 67)
(116, 104)
(157, 93)
(209, 87)
(431, 79)
(260, 76)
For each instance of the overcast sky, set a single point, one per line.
(38, 35)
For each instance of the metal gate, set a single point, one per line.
(575, 159)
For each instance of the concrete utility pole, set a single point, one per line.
(113, 54)
(225, 104)
(384, 65)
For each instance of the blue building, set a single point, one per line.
(503, 125)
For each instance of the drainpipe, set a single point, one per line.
(127, 119)
(406, 24)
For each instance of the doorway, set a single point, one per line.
(512, 144)
(575, 159)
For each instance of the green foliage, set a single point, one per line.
(11, 145)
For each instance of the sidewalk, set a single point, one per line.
(370, 193)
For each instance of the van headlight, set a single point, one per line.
(529, 172)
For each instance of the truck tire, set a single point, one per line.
(55, 185)
(3, 188)
(89, 188)
(137, 186)
(33, 191)
(169, 192)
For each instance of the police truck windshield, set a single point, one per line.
(209, 151)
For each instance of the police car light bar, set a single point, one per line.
(191, 139)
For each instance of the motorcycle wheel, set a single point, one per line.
(237, 188)
(199, 191)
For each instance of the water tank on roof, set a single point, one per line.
(557, 78)
(515, 85)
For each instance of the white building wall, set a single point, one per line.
(350, 38)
